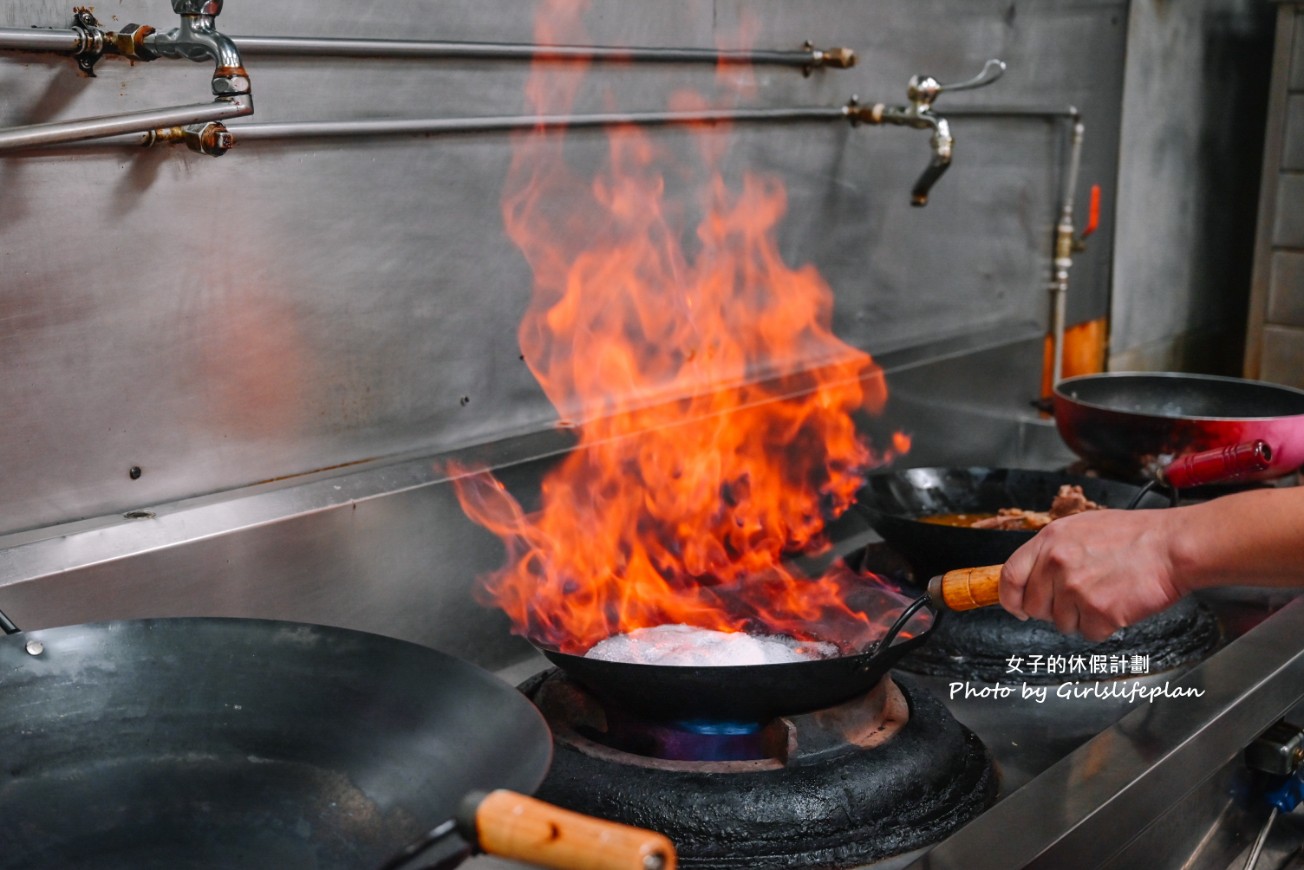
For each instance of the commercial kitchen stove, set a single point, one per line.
(1082, 782)
(1114, 778)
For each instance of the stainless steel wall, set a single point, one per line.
(291, 307)
(240, 328)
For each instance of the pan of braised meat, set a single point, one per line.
(941, 519)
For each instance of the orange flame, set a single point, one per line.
(713, 403)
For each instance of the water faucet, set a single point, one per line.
(922, 91)
(198, 39)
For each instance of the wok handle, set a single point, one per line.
(1217, 465)
(966, 588)
(511, 825)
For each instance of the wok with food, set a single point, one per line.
(940, 519)
(655, 679)
(1068, 501)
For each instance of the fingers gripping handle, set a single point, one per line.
(966, 588)
(511, 825)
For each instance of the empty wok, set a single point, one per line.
(247, 743)
(1129, 422)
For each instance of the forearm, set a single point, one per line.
(1253, 538)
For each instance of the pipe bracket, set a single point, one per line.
(90, 40)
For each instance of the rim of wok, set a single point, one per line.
(106, 712)
(1279, 392)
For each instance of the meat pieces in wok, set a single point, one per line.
(1068, 501)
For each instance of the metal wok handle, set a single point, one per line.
(911, 609)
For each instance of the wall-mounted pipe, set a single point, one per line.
(1044, 113)
(67, 41)
(103, 126)
(197, 38)
(1064, 253)
(322, 130)
(852, 112)
(806, 58)
(921, 91)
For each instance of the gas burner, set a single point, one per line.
(992, 646)
(882, 774)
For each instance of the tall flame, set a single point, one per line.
(712, 402)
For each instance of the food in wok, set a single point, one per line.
(1068, 501)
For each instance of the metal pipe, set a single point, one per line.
(808, 57)
(68, 41)
(429, 126)
(40, 39)
(1260, 840)
(1048, 113)
(129, 122)
(1064, 255)
(295, 130)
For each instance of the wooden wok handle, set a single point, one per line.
(511, 825)
(966, 588)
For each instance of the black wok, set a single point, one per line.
(1130, 422)
(893, 503)
(244, 743)
(740, 693)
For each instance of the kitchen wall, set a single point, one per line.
(291, 307)
(285, 340)
(1194, 110)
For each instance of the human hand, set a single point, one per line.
(1094, 572)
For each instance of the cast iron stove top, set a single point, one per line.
(877, 776)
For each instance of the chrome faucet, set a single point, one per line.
(198, 39)
(922, 91)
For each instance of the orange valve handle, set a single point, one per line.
(511, 825)
(1093, 212)
(966, 588)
